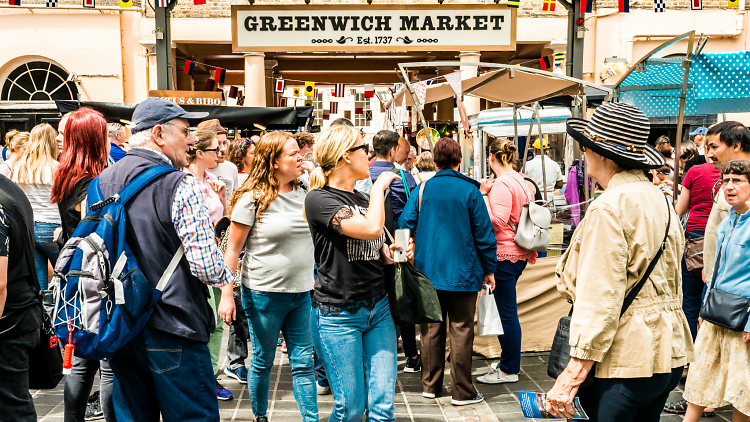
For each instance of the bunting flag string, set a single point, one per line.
(14, 2)
(587, 6)
(210, 84)
(660, 6)
(339, 90)
(514, 3)
(279, 85)
(549, 5)
(219, 75)
(189, 66)
(233, 92)
(51, 3)
(89, 3)
(559, 58)
(696, 4)
(544, 63)
(309, 89)
(369, 90)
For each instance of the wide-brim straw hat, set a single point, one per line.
(618, 131)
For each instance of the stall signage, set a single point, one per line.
(204, 98)
(370, 28)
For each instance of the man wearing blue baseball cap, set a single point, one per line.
(166, 369)
(699, 138)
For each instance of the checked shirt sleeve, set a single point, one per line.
(190, 218)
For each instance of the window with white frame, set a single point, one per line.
(361, 119)
(318, 109)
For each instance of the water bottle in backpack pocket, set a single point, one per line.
(101, 290)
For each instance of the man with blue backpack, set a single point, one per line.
(161, 364)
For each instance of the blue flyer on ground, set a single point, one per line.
(534, 406)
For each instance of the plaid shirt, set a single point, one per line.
(190, 219)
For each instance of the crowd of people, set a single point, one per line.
(305, 252)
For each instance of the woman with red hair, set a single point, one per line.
(83, 159)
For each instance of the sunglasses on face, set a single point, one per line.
(210, 149)
(363, 146)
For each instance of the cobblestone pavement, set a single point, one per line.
(501, 401)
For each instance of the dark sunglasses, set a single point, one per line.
(363, 146)
(210, 149)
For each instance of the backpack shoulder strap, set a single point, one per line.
(131, 189)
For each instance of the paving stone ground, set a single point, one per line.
(501, 401)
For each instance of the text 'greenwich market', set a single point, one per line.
(374, 23)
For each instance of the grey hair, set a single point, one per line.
(413, 150)
(113, 129)
(144, 136)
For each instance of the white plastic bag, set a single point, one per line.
(488, 317)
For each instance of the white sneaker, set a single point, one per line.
(494, 365)
(495, 376)
(428, 395)
(478, 399)
(324, 391)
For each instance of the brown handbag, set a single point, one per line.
(694, 256)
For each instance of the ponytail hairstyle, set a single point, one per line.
(203, 140)
(15, 140)
(330, 147)
(261, 181)
(504, 151)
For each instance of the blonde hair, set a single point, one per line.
(261, 182)
(41, 152)
(425, 161)
(15, 140)
(330, 147)
(504, 151)
(203, 140)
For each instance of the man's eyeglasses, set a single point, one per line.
(184, 129)
(363, 146)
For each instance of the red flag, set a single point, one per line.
(358, 110)
(219, 75)
(549, 5)
(544, 63)
(233, 91)
(282, 102)
(624, 5)
(199, 2)
(189, 67)
(279, 85)
(210, 84)
(369, 90)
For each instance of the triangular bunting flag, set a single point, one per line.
(420, 89)
(219, 75)
(339, 90)
(89, 3)
(624, 6)
(279, 85)
(334, 107)
(549, 5)
(309, 89)
(210, 84)
(454, 80)
(660, 6)
(189, 66)
(369, 90)
(696, 4)
(544, 63)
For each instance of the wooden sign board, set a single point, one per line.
(338, 27)
(204, 98)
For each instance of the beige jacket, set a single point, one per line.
(609, 252)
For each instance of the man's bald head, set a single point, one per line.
(403, 150)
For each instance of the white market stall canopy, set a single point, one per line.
(498, 122)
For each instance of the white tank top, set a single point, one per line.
(39, 196)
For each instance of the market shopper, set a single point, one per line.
(277, 271)
(20, 313)
(84, 159)
(351, 321)
(116, 135)
(166, 368)
(456, 251)
(225, 171)
(240, 153)
(425, 166)
(505, 198)
(60, 138)
(35, 174)
(639, 356)
(548, 177)
(16, 142)
(721, 370)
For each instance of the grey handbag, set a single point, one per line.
(532, 232)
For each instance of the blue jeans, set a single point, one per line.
(158, 372)
(45, 249)
(269, 313)
(692, 291)
(359, 351)
(628, 399)
(16, 403)
(506, 276)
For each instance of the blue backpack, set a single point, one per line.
(100, 290)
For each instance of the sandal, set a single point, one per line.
(678, 407)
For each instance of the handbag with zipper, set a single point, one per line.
(560, 354)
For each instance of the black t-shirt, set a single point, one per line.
(695, 161)
(22, 314)
(68, 214)
(349, 270)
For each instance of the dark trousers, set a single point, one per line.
(506, 277)
(158, 372)
(628, 399)
(16, 403)
(692, 291)
(409, 337)
(320, 370)
(459, 308)
(239, 335)
(78, 387)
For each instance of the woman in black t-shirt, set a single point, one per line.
(83, 159)
(351, 322)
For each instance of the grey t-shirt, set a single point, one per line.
(227, 173)
(279, 249)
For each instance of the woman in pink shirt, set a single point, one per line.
(202, 157)
(505, 199)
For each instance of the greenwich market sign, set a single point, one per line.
(373, 28)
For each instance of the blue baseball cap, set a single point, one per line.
(700, 131)
(154, 111)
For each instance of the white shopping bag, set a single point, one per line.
(488, 317)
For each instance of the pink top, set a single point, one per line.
(506, 201)
(211, 199)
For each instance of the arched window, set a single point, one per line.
(38, 81)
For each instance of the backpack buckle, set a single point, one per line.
(102, 204)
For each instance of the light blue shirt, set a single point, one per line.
(732, 275)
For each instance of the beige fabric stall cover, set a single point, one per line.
(540, 307)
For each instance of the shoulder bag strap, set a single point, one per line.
(421, 190)
(406, 185)
(530, 199)
(633, 293)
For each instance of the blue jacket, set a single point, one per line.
(454, 241)
(398, 193)
(732, 275)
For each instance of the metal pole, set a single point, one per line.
(681, 116)
(416, 102)
(577, 57)
(544, 155)
(163, 47)
(515, 126)
(531, 128)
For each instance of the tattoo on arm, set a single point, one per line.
(344, 213)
